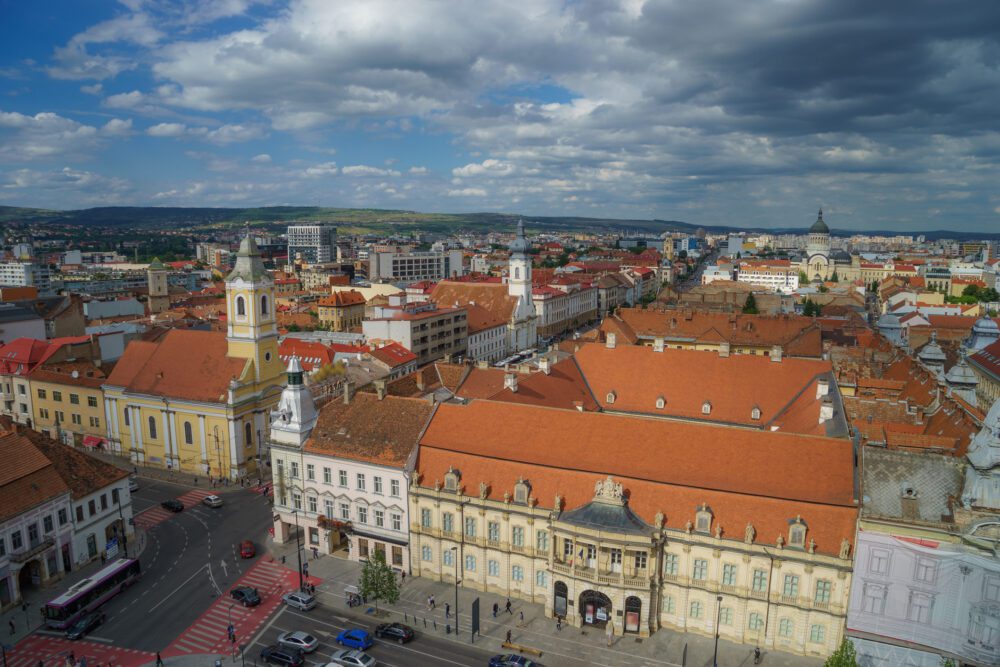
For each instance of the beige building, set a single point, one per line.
(525, 501)
(342, 311)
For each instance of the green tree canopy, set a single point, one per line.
(844, 656)
(378, 581)
(750, 305)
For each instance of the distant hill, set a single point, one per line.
(383, 220)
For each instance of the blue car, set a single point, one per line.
(355, 638)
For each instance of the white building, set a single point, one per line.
(776, 275)
(26, 274)
(342, 476)
(487, 335)
(413, 266)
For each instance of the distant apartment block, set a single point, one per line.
(414, 266)
(778, 275)
(26, 274)
(313, 244)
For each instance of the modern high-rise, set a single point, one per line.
(313, 244)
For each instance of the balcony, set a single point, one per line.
(637, 581)
(731, 590)
(786, 599)
(25, 554)
(518, 548)
(758, 595)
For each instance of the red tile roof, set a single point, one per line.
(312, 355)
(393, 355)
(27, 478)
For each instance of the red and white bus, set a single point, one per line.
(90, 593)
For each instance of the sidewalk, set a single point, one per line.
(569, 645)
(175, 476)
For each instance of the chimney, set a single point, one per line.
(612, 340)
(578, 405)
(419, 379)
(909, 502)
(347, 392)
(510, 381)
(657, 345)
(822, 387)
(544, 365)
(724, 349)
(482, 364)
(775, 353)
(380, 387)
(826, 410)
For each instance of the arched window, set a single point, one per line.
(263, 305)
(517, 273)
(241, 306)
(188, 435)
(152, 428)
(248, 432)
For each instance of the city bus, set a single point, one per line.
(90, 593)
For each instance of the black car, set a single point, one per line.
(86, 623)
(172, 505)
(246, 595)
(279, 655)
(398, 631)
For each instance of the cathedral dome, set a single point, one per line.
(819, 227)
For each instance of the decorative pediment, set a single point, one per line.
(609, 491)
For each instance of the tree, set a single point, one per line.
(803, 278)
(844, 656)
(378, 581)
(750, 305)
(834, 278)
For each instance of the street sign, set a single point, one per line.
(111, 549)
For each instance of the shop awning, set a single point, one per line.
(93, 441)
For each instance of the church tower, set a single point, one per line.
(159, 290)
(818, 250)
(525, 333)
(252, 329)
(295, 417)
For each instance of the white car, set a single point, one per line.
(351, 658)
(213, 501)
(303, 641)
(300, 601)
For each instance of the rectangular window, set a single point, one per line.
(47, 525)
(294, 470)
(76, 418)
(494, 568)
(345, 511)
(397, 522)
(91, 507)
(425, 553)
(91, 401)
(16, 541)
(991, 589)
(74, 399)
(312, 503)
(470, 526)
(328, 509)
(878, 562)
(919, 610)
(63, 518)
(542, 540)
(297, 500)
(695, 609)
(447, 522)
(44, 413)
(756, 621)
(425, 518)
(361, 481)
(21, 390)
(104, 501)
(541, 579)
(394, 488)
(670, 564)
(342, 475)
(823, 588)
(310, 472)
(327, 476)
(378, 485)
(817, 634)
(729, 575)
(3, 545)
(448, 558)
(925, 570)
(362, 548)
(873, 601)
(639, 557)
(380, 518)
(95, 422)
(700, 570)
(669, 605)
(397, 556)
(517, 536)
(41, 393)
(470, 563)
(759, 581)
(57, 396)
(79, 512)
(726, 616)
(493, 531)
(785, 627)
(517, 573)
(126, 416)
(362, 514)
(791, 587)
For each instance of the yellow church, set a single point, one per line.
(199, 401)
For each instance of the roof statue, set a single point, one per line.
(608, 490)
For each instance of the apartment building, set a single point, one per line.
(426, 330)
(413, 266)
(312, 244)
(776, 275)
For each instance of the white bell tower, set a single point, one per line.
(295, 417)
(525, 332)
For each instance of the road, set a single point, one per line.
(182, 565)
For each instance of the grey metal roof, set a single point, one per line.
(12, 313)
(611, 517)
(888, 473)
(249, 266)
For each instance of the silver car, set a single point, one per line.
(348, 657)
(300, 601)
(213, 501)
(303, 641)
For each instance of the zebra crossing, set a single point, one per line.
(49, 648)
(148, 518)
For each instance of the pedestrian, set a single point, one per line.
(508, 637)
(159, 660)
(13, 628)
(507, 608)
(559, 623)
(433, 603)
(428, 603)
(521, 614)
(496, 608)
(196, 480)
(283, 559)
(447, 610)
(403, 576)
(611, 633)
(315, 553)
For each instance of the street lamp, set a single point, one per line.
(298, 548)
(455, 549)
(718, 615)
(121, 521)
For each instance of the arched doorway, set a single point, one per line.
(561, 593)
(633, 612)
(595, 608)
(30, 576)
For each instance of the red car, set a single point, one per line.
(247, 550)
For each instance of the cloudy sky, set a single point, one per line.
(711, 111)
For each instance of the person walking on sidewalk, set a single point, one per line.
(521, 615)
(507, 641)
(13, 628)
(433, 603)
(611, 633)
(507, 608)
(447, 610)
(496, 608)
(559, 623)
(159, 660)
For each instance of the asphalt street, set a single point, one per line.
(191, 558)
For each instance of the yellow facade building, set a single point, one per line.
(68, 402)
(198, 401)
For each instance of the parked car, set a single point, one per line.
(351, 658)
(355, 638)
(86, 623)
(299, 600)
(398, 631)
(172, 505)
(247, 595)
(279, 655)
(303, 641)
(512, 660)
(247, 549)
(133, 484)
(212, 501)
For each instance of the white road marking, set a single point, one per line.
(169, 595)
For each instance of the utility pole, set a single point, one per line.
(218, 450)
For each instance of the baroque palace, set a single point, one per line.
(198, 401)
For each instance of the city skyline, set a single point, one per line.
(715, 113)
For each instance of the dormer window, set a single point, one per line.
(797, 533)
(706, 408)
(451, 479)
(521, 492)
(611, 397)
(660, 403)
(703, 519)
(755, 413)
